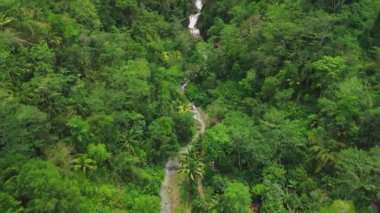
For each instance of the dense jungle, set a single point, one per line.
(229, 106)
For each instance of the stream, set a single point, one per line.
(173, 166)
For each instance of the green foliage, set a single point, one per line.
(24, 127)
(184, 125)
(108, 195)
(90, 101)
(357, 178)
(236, 198)
(341, 109)
(274, 196)
(85, 13)
(61, 155)
(339, 206)
(328, 70)
(274, 174)
(304, 97)
(125, 165)
(98, 152)
(162, 139)
(43, 188)
(191, 165)
(84, 163)
(77, 91)
(368, 135)
(80, 132)
(218, 145)
(146, 204)
(274, 199)
(64, 25)
(258, 190)
(269, 86)
(9, 204)
(324, 149)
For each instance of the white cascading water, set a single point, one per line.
(172, 166)
(193, 19)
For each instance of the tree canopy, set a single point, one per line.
(91, 105)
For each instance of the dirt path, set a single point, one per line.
(170, 192)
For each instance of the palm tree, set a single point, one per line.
(193, 168)
(325, 157)
(324, 152)
(84, 163)
(4, 20)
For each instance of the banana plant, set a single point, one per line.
(193, 168)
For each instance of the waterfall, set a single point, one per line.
(193, 19)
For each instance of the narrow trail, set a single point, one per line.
(173, 166)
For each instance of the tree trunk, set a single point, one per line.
(239, 161)
(375, 206)
(200, 188)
